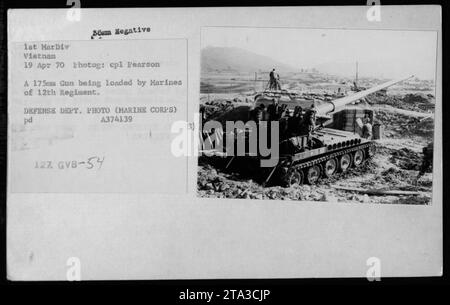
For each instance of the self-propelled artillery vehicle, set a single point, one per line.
(328, 138)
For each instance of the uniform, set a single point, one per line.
(367, 131)
(427, 162)
(272, 80)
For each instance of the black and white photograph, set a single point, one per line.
(353, 112)
(215, 144)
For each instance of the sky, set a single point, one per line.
(380, 53)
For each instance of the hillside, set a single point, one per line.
(238, 60)
(376, 68)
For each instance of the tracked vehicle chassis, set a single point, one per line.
(291, 171)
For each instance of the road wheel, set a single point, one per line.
(344, 162)
(313, 174)
(358, 158)
(292, 177)
(330, 167)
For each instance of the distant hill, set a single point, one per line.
(378, 69)
(238, 60)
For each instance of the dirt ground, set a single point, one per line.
(407, 129)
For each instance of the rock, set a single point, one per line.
(307, 188)
(202, 183)
(359, 198)
(272, 195)
(245, 194)
(329, 197)
(317, 197)
(354, 197)
(223, 187)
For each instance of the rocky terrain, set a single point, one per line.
(408, 121)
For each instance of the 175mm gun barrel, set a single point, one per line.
(341, 102)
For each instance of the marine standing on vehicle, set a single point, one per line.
(274, 81)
